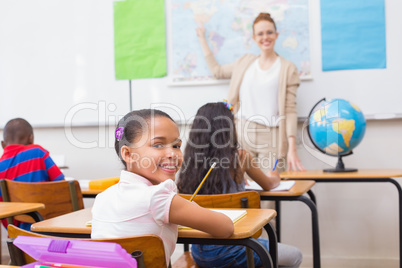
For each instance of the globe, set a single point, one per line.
(335, 128)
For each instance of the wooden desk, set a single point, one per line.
(89, 193)
(73, 225)
(10, 209)
(296, 193)
(361, 176)
(63, 167)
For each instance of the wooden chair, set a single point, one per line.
(151, 246)
(247, 199)
(59, 197)
(226, 200)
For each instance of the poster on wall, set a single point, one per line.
(353, 34)
(139, 39)
(228, 26)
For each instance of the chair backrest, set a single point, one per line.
(151, 246)
(247, 199)
(59, 197)
(233, 200)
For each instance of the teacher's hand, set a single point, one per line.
(294, 162)
(201, 32)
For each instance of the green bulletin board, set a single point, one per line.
(139, 39)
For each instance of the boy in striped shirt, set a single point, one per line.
(22, 160)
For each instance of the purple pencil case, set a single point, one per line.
(74, 252)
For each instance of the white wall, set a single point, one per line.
(375, 91)
(358, 222)
(74, 65)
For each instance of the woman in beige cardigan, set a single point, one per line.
(263, 92)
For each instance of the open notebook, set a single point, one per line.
(283, 186)
(233, 214)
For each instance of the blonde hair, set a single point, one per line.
(264, 16)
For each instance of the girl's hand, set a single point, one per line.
(246, 181)
(274, 176)
(294, 162)
(184, 212)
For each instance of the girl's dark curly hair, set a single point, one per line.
(212, 139)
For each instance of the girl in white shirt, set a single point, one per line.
(145, 200)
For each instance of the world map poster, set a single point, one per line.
(228, 25)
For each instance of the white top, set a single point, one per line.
(135, 207)
(259, 94)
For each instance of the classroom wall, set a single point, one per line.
(74, 67)
(358, 222)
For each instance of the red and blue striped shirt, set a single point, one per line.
(28, 163)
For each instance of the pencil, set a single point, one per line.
(276, 162)
(199, 186)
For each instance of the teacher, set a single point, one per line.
(262, 91)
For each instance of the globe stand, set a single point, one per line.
(340, 167)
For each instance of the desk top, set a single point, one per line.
(246, 227)
(74, 223)
(86, 191)
(63, 167)
(300, 188)
(10, 209)
(360, 174)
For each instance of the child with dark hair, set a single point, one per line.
(145, 200)
(24, 161)
(212, 139)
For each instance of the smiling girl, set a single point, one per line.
(145, 200)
